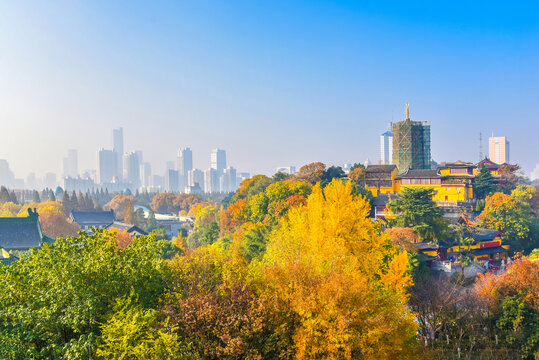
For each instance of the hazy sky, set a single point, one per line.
(273, 83)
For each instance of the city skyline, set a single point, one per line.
(321, 88)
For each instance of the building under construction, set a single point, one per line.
(411, 144)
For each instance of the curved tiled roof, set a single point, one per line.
(21, 232)
(93, 217)
(418, 174)
(380, 168)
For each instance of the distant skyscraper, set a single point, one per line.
(195, 177)
(70, 164)
(218, 160)
(118, 148)
(185, 164)
(386, 147)
(158, 182)
(132, 169)
(185, 161)
(31, 181)
(411, 144)
(145, 174)
(49, 181)
(535, 173)
(7, 177)
(291, 170)
(172, 180)
(498, 149)
(211, 181)
(227, 181)
(107, 168)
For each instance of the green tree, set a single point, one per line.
(252, 186)
(81, 202)
(140, 220)
(57, 298)
(357, 166)
(483, 183)
(4, 195)
(513, 216)
(128, 215)
(519, 323)
(415, 208)
(333, 172)
(280, 176)
(13, 197)
(151, 223)
(36, 198)
(133, 332)
(206, 229)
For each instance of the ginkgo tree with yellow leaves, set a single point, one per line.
(345, 281)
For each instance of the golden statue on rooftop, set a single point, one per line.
(407, 111)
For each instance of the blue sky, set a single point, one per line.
(273, 83)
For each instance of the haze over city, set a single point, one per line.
(273, 84)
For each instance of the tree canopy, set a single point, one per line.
(415, 208)
(483, 183)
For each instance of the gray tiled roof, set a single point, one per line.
(93, 218)
(381, 183)
(127, 227)
(380, 168)
(485, 234)
(21, 232)
(418, 174)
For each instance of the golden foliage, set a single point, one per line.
(521, 278)
(121, 205)
(52, 218)
(345, 282)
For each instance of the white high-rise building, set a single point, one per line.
(118, 149)
(227, 181)
(145, 174)
(386, 147)
(498, 149)
(291, 170)
(172, 180)
(185, 164)
(218, 160)
(195, 181)
(107, 167)
(70, 164)
(132, 169)
(194, 177)
(211, 181)
(185, 161)
(535, 173)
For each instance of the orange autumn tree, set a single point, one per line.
(405, 237)
(52, 218)
(345, 283)
(120, 204)
(311, 173)
(521, 279)
(122, 238)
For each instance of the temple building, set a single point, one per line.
(22, 233)
(486, 245)
(452, 182)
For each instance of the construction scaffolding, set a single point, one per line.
(411, 145)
